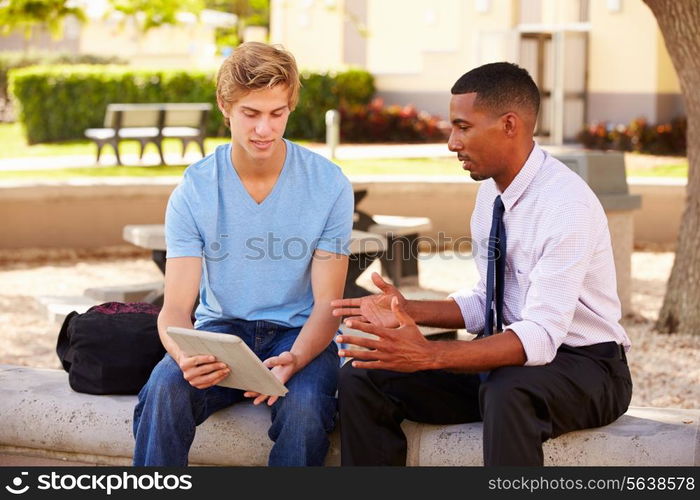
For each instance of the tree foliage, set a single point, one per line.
(28, 14)
(150, 14)
(248, 12)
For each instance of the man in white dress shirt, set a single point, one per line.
(545, 261)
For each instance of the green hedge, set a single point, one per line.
(14, 59)
(321, 92)
(59, 102)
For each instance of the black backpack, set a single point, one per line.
(111, 348)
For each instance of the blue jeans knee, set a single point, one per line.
(302, 420)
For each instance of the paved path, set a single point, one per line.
(344, 152)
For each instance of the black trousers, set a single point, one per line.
(521, 406)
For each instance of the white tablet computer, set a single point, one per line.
(247, 371)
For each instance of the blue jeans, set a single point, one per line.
(169, 408)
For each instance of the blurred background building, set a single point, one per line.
(593, 60)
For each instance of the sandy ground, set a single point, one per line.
(665, 368)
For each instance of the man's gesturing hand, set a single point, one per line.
(374, 309)
(202, 371)
(401, 349)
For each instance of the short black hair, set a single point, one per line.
(500, 87)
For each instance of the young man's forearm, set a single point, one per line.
(318, 331)
(169, 317)
(436, 313)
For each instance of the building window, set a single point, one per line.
(553, 12)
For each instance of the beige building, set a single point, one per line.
(594, 60)
(189, 44)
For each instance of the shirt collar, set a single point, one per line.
(518, 186)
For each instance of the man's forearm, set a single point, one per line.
(315, 335)
(437, 313)
(168, 318)
(503, 349)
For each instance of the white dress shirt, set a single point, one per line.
(560, 285)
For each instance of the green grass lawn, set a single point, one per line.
(402, 166)
(72, 173)
(409, 166)
(14, 145)
(678, 170)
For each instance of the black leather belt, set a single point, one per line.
(604, 349)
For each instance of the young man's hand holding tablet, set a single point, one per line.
(247, 371)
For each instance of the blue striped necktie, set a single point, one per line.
(495, 272)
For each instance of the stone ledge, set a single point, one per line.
(43, 417)
(140, 292)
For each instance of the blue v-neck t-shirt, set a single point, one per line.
(256, 257)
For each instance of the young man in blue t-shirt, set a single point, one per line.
(260, 229)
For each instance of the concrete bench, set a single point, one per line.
(43, 417)
(142, 292)
(151, 123)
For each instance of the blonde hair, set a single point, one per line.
(254, 66)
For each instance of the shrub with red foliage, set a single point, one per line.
(639, 135)
(378, 123)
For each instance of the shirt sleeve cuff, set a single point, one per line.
(183, 252)
(334, 247)
(472, 309)
(539, 346)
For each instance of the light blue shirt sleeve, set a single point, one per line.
(338, 229)
(182, 238)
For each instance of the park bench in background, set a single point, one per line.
(151, 122)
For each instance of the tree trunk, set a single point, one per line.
(679, 22)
